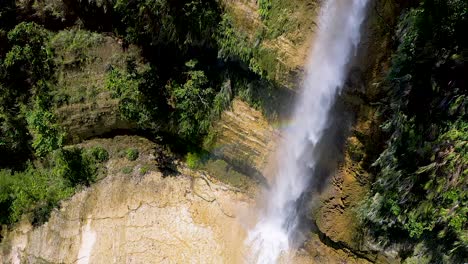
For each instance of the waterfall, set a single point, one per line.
(337, 37)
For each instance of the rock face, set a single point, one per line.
(138, 219)
(244, 137)
(150, 218)
(337, 209)
(85, 107)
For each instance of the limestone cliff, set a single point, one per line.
(85, 107)
(139, 216)
(244, 137)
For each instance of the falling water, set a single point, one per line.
(337, 37)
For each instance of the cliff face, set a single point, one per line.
(149, 216)
(244, 138)
(281, 38)
(85, 107)
(336, 210)
(137, 218)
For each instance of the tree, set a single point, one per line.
(25, 72)
(192, 101)
(47, 135)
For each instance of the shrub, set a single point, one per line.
(143, 170)
(125, 85)
(233, 45)
(37, 191)
(31, 191)
(73, 45)
(26, 71)
(132, 154)
(193, 160)
(30, 58)
(6, 198)
(77, 166)
(99, 153)
(47, 135)
(420, 182)
(264, 7)
(127, 170)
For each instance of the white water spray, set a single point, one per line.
(338, 35)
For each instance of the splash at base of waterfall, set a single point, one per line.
(267, 242)
(337, 37)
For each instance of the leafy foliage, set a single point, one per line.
(192, 101)
(126, 86)
(162, 23)
(78, 167)
(72, 45)
(264, 7)
(421, 185)
(26, 72)
(193, 160)
(132, 154)
(99, 153)
(36, 191)
(234, 45)
(29, 59)
(47, 134)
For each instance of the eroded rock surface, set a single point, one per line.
(137, 220)
(188, 217)
(244, 136)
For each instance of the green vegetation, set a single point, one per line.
(264, 7)
(29, 128)
(144, 170)
(233, 44)
(192, 101)
(99, 153)
(170, 67)
(127, 170)
(73, 46)
(193, 160)
(161, 24)
(26, 74)
(125, 85)
(47, 135)
(32, 191)
(132, 154)
(264, 45)
(421, 184)
(37, 190)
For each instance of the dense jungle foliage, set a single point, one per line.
(420, 194)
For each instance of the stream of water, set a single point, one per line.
(337, 37)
